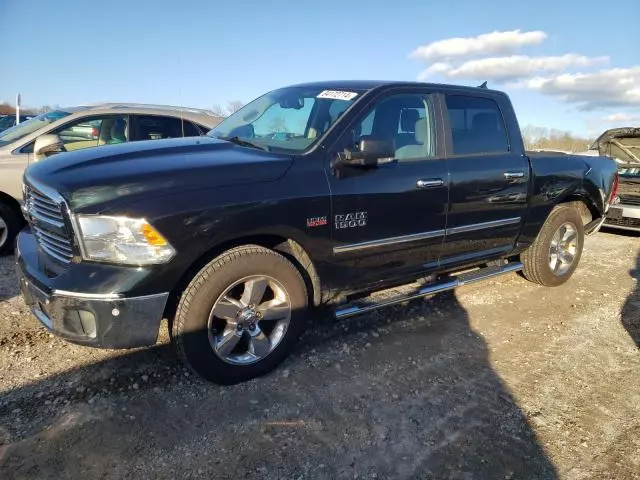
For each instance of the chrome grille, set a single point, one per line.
(630, 199)
(47, 221)
(624, 222)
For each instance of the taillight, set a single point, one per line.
(615, 186)
(94, 132)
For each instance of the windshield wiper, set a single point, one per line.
(245, 143)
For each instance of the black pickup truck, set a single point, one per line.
(343, 195)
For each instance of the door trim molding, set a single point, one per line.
(383, 242)
(481, 226)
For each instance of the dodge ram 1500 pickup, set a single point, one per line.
(348, 196)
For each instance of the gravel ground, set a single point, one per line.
(502, 379)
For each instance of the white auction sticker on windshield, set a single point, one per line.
(337, 95)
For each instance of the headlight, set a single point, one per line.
(130, 241)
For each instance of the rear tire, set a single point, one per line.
(241, 315)
(556, 251)
(10, 224)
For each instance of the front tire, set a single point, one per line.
(241, 315)
(10, 224)
(556, 251)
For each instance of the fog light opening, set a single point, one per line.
(88, 322)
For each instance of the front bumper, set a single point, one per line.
(625, 217)
(106, 320)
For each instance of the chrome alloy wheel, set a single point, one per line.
(249, 320)
(4, 232)
(562, 252)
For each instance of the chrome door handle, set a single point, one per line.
(513, 175)
(430, 183)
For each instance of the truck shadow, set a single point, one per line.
(631, 309)
(8, 285)
(404, 393)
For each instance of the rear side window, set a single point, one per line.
(476, 125)
(153, 127)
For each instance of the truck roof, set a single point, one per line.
(373, 84)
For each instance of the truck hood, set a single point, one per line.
(112, 174)
(621, 144)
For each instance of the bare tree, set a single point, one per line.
(278, 124)
(218, 111)
(234, 106)
(231, 107)
(6, 109)
(542, 138)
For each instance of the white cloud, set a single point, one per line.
(621, 118)
(615, 87)
(569, 77)
(511, 68)
(485, 44)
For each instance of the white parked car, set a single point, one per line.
(83, 127)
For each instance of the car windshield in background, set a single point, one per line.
(25, 128)
(292, 118)
(7, 121)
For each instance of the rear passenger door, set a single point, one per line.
(156, 127)
(489, 181)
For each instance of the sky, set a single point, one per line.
(565, 64)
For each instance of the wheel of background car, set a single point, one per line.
(241, 315)
(556, 252)
(10, 224)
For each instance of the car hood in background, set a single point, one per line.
(620, 144)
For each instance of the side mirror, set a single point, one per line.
(47, 145)
(370, 152)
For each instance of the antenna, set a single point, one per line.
(484, 85)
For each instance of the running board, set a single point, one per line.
(451, 282)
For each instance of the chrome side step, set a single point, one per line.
(451, 282)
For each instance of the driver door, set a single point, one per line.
(388, 221)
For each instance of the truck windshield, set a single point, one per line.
(25, 128)
(290, 119)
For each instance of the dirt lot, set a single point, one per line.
(499, 380)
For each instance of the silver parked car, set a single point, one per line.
(75, 128)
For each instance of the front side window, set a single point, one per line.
(405, 121)
(32, 125)
(94, 131)
(290, 119)
(476, 125)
